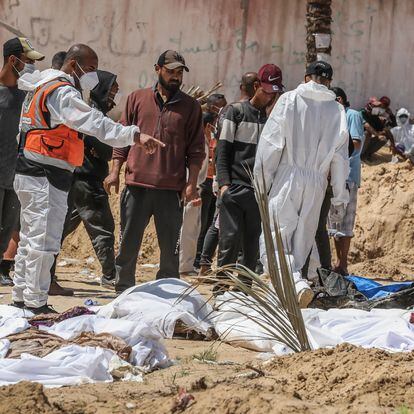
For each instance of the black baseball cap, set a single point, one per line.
(320, 68)
(21, 45)
(172, 60)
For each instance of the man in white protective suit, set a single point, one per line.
(304, 142)
(403, 135)
(54, 115)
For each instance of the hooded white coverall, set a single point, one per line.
(404, 133)
(304, 140)
(43, 206)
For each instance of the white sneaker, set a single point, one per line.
(305, 297)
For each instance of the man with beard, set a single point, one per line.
(158, 185)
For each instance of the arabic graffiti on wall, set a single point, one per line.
(221, 40)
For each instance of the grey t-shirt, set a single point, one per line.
(11, 101)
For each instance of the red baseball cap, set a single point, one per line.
(385, 101)
(270, 77)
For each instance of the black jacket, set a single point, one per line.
(97, 154)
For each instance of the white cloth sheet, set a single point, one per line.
(148, 351)
(12, 321)
(143, 315)
(157, 303)
(387, 329)
(70, 365)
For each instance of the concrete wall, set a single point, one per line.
(220, 39)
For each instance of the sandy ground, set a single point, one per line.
(344, 380)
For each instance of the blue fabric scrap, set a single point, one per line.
(374, 290)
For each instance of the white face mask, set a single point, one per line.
(117, 98)
(88, 80)
(377, 111)
(28, 68)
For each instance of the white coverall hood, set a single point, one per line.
(30, 81)
(402, 111)
(315, 91)
(304, 140)
(404, 134)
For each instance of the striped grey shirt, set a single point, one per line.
(236, 149)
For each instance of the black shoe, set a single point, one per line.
(19, 305)
(46, 309)
(5, 280)
(108, 282)
(56, 290)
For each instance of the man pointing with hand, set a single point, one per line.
(54, 115)
(158, 185)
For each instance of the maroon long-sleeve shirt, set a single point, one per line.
(178, 123)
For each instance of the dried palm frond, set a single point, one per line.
(197, 93)
(280, 276)
(273, 307)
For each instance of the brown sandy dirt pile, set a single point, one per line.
(384, 233)
(25, 398)
(346, 379)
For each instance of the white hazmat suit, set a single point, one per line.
(44, 206)
(403, 133)
(303, 142)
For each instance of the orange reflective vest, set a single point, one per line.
(59, 146)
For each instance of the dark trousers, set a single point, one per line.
(208, 207)
(91, 206)
(9, 217)
(210, 242)
(371, 145)
(322, 237)
(137, 206)
(88, 203)
(240, 227)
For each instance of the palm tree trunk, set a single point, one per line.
(318, 20)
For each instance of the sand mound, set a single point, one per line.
(384, 232)
(25, 398)
(346, 379)
(347, 375)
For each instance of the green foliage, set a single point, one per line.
(209, 354)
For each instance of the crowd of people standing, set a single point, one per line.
(187, 166)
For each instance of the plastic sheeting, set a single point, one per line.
(160, 304)
(387, 329)
(375, 290)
